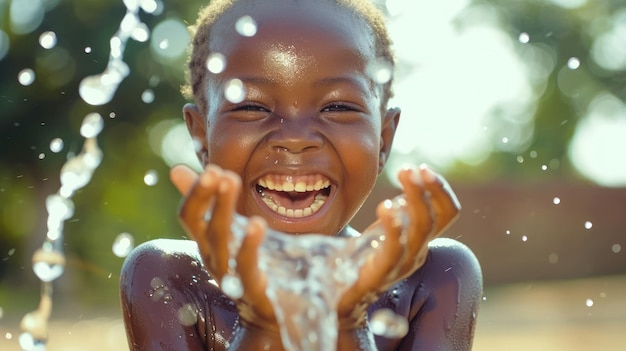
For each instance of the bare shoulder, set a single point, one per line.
(163, 283)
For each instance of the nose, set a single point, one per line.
(295, 136)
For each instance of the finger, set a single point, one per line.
(443, 201)
(218, 233)
(253, 279)
(196, 204)
(183, 178)
(377, 271)
(421, 216)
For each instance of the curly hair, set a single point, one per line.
(211, 13)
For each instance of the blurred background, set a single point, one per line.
(520, 104)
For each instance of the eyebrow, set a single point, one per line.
(344, 80)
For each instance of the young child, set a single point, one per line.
(299, 152)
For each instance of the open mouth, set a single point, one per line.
(294, 196)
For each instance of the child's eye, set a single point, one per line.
(339, 107)
(250, 107)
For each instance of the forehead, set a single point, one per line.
(294, 28)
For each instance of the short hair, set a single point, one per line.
(208, 15)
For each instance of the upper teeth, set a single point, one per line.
(298, 184)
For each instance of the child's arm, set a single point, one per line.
(431, 207)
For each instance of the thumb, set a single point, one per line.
(183, 177)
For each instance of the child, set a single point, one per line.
(299, 152)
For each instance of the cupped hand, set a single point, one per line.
(431, 206)
(206, 214)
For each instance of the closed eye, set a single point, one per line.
(250, 107)
(339, 107)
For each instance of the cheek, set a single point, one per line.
(230, 146)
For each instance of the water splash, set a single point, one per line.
(48, 40)
(49, 261)
(99, 89)
(298, 281)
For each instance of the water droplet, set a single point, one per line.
(553, 258)
(187, 315)
(235, 92)
(48, 40)
(556, 201)
(524, 238)
(112, 115)
(140, 33)
(164, 44)
(26, 77)
(246, 26)
(42, 156)
(149, 6)
(123, 244)
(385, 322)
(505, 140)
(616, 248)
(520, 159)
(216, 63)
(151, 178)
(533, 154)
(484, 298)
(92, 125)
(231, 286)
(100, 88)
(544, 167)
(589, 302)
(8, 336)
(524, 38)
(59, 208)
(380, 71)
(588, 225)
(508, 232)
(48, 264)
(88, 50)
(573, 63)
(29, 343)
(147, 96)
(56, 145)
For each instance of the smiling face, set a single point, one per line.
(309, 136)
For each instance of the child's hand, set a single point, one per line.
(217, 190)
(431, 206)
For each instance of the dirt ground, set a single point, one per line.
(571, 315)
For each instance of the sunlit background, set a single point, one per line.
(521, 104)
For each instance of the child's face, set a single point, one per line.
(310, 137)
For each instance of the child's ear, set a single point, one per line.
(197, 126)
(388, 131)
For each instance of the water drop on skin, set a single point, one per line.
(231, 286)
(246, 26)
(216, 63)
(385, 322)
(234, 91)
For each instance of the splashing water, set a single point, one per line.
(123, 244)
(297, 268)
(387, 323)
(99, 89)
(49, 261)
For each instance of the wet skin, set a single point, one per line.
(312, 116)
